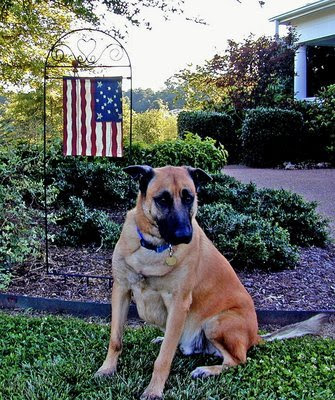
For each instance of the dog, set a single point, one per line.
(180, 281)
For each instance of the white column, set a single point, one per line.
(276, 28)
(300, 73)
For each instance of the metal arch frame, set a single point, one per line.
(80, 61)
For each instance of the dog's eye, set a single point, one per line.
(164, 199)
(186, 197)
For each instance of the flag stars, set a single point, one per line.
(99, 84)
(99, 116)
(109, 100)
(101, 92)
(97, 100)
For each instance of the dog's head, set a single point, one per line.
(168, 198)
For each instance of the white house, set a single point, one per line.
(315, 25)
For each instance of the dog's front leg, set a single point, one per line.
(177, 313)
(120, 307)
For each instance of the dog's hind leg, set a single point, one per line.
(232, 336)
(120, 306)
(228, 361)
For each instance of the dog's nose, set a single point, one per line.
(183, 235)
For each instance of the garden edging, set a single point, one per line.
(103, 310)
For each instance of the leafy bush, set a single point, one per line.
(154, 126)
(245, 241)
(317, 131)
(98, 183)
(271, 136)
(79, 225)
(192, 150)
(283, 208)
(102, 182)
(20, 234)
(216, 125)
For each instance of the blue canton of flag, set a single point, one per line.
(108, 100)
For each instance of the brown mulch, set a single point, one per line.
(310, 286)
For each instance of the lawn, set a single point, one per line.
(54, 358)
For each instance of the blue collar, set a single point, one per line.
(149, 246)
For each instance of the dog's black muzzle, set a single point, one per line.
(176, 229)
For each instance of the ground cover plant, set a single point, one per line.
(55, 358)
(88, 198)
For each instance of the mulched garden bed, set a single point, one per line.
(311, 286)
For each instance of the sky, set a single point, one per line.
(171, 45)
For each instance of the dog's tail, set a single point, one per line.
(311, 326)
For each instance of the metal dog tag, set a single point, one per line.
(171, 260)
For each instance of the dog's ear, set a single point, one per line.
(141, 173)
(199, 176)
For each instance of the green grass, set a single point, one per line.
(54, 358)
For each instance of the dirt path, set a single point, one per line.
(314, 184)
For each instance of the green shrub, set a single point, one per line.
(101, 182)
(216, 125)
(192, 150)
(245, 241)
(98, 183)
(271, 136)
(20, 196)
(80, 225)
(283, 208)
(154, 126)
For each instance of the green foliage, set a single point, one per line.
(218, 126)
(77, 186)
(34, 26)
(148, 99)
(55, 358)
(279, 207)
(271, 136)
(247, 242)
(20, 233)
(154, 126)
(99, 182)
(81, 225)
(326, 118)
(251, 73)
(192, 150)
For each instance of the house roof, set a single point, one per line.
(309, 8)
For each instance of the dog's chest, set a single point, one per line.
(148, 263)
(152, 298)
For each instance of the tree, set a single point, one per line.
(251, 73)
(28, 28)
(148, 99)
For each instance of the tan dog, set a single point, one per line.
(180, 281)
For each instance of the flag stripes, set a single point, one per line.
(83, 133)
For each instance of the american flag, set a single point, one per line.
(92, 109)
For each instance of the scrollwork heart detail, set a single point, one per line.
(86, 47)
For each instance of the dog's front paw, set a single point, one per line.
(149, 394)
(104, 371)
(157, 340)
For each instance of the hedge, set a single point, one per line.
(271, 136)
(217, 125)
